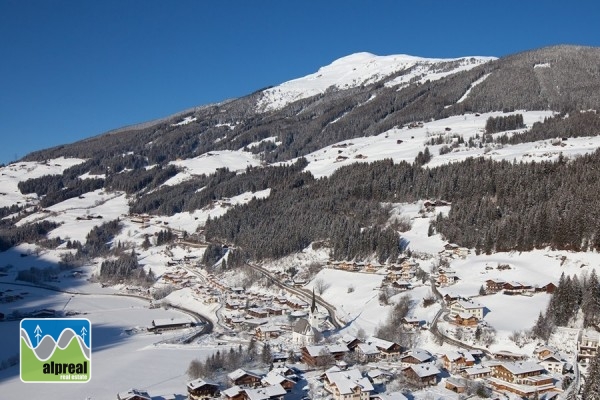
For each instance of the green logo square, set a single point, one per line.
(56, 350)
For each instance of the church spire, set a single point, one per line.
(313, 306)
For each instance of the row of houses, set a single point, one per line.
(514, 288)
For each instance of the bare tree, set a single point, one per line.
(321, 286)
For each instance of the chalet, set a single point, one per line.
(273, 310)
(553, 363)
(401, 285)
(548, 288)
(449, 298)
(379, 376)
(411, 322)
(264, 333)
(274, 378)
(454, 361)
(258, 312)
(494, 285)
(517, 372)
(350, 341)
(274, 392)
(201, 390)
(296, 304)
(347, 385)
(134, 394)
(160, 325)
(512, 288)
(243, 378)
(415, 356)
(317, 355)
(425, 374)
(477, 372)
(587, 345)
(233, 393)
(466, 307)
(456, 385)
(367, 352)
(544, 351)
(446, 278)
(387, 350)
(508, 355)
(465, 319)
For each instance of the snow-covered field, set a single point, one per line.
(124, 354)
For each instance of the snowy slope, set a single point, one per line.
(362, 69)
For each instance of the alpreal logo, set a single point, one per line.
(56, 350)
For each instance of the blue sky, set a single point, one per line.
(74, 69)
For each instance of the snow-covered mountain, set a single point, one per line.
(362, 69)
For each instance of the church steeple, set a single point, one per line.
(313, 306)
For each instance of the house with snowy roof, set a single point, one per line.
(387, 350)
(350, 384)
(241, 377)
(199, 389)
(455, 361)
(274, 392)
(134, 394)
(425, 374)
(466, 307)
(415, 356)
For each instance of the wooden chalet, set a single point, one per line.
(274, 392)
(464, 319)
(455, 385)
(160, 325)
(243, 378)
(425, 374)
(257, 312)
(387, 350)
(512, 288)
(348, 384)
(274, 378)
(315, 355)
(517, 372)
(494, 285)
(233, 393)
(416, 356)
(367, 352)
(350, 341)
(477, 372)
(199, 389)
(264, 333)
(547, 288)
(454, 361)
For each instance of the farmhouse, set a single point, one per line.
(348, 385)
(465, 319)
(201, 390)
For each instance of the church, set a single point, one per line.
(306, 330)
